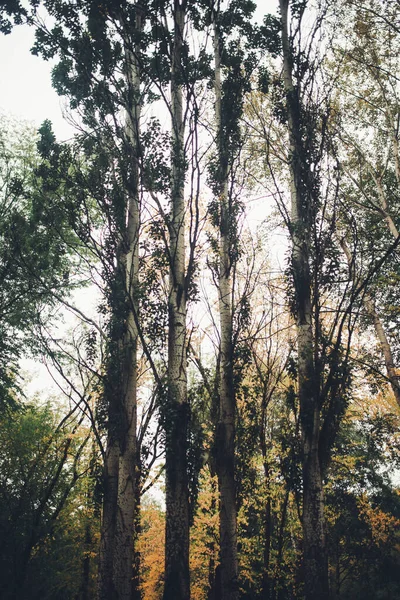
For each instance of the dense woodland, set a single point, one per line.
(209, 270)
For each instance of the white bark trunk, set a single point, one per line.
(177, 585)
(314, 540)
(124, 577)
(385, 209)
(369, 305)
(117, 579)
(105, 576)
(225, 438)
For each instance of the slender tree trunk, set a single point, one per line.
(85, 589)
(225, 435)
(368, 301)
(314, 541)
(116, 568)
(267, 582)
(385, 346)
(85, 592)
(110, 477)
(123, 555)
(212, 568)
(391, 225)
(266, 579)
(277, 582)
(177, 583)
(105, 586)
(369, 304)
(124, 551)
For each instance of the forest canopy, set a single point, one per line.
(208, 272)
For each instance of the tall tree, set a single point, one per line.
(35, 257)
(235, 48)
(366, 126)
(315, 557)
(318, 423)
(177, 585)
(125, 577)
(90, 57)
(225, 433)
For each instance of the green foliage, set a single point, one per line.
(36, 245)
(60, 199)
(12, 13)
(363, 508)
(156, 147)
(39, 493)
(199, 415)
(268, 36)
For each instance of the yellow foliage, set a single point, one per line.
(151, 548)
(383, 526)
(204, 540)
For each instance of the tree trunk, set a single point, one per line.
(225, 434)
(124, 552)
(385, 346)
(85, 589)
(368, 301)
(117, 565)
(177, 583)
(110, 478)
(277, 582)
(314, 542)
(369, 304)
(266, 579)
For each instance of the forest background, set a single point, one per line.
(207, 272)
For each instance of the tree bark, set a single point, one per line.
(110, 478)
(314, 541)
(117, 578)
(385, 346)
(225, 434)
(266, 579)
(314, 537)
(85, 589)
(124, 551)
(277, 582)
(177, 583)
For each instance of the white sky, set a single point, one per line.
(25, 83)
(25, 80)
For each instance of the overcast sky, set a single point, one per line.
(25, 83)
(25, 80)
